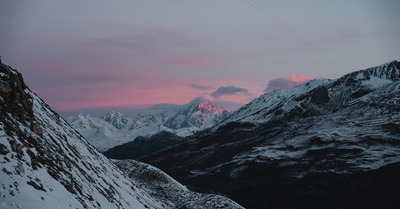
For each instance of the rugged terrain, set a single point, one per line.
(143, 146)
(167, 190)
(45, 163)
(293, 147)
(115, 129)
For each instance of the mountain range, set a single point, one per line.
(322, 144)
(114, 128)
(46, 163)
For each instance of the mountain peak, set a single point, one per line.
(113, 114)
(116, 118)
(389, 71)
(208, 106)
(374, 76)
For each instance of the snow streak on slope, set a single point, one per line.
(114, 128)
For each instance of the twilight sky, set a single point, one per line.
(81, 55)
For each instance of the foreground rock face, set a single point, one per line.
(290, 147)
(45, 163)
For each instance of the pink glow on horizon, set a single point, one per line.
(293, 80)
(108, 94)
(300, 78)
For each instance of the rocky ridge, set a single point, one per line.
(289, 147)
(114, 128)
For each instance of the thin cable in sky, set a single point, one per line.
(294, 34)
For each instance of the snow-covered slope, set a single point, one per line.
(45, 163)
(320, 96)
(114, 128)
(294, 142)
(358, 113)
(168, 190)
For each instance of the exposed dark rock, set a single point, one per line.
(143, 146)
(35, 127)
(320, 95)
(36, 185)
(14, 99)
(392, 127)
(360, 93)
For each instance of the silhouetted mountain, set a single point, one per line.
(143, 146)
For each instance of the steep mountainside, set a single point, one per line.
(114, 128)
(143, 146)
(290, 146)
(165, 189)
(45, 163)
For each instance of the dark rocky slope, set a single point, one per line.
(143, 146)
(294, 147)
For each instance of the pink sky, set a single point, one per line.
(80, 55)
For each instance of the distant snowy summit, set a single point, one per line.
(114, 128)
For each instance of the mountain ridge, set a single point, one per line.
(323, 130)
(114, 128)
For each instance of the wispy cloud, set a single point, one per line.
(201, 87)
(228, 90)
(293, 80)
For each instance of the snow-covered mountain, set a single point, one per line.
(45, 163)
(114, 128)
(294, 145)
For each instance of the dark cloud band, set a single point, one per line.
(228, 90)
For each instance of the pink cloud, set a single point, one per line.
(300, 78)
(293, 80)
